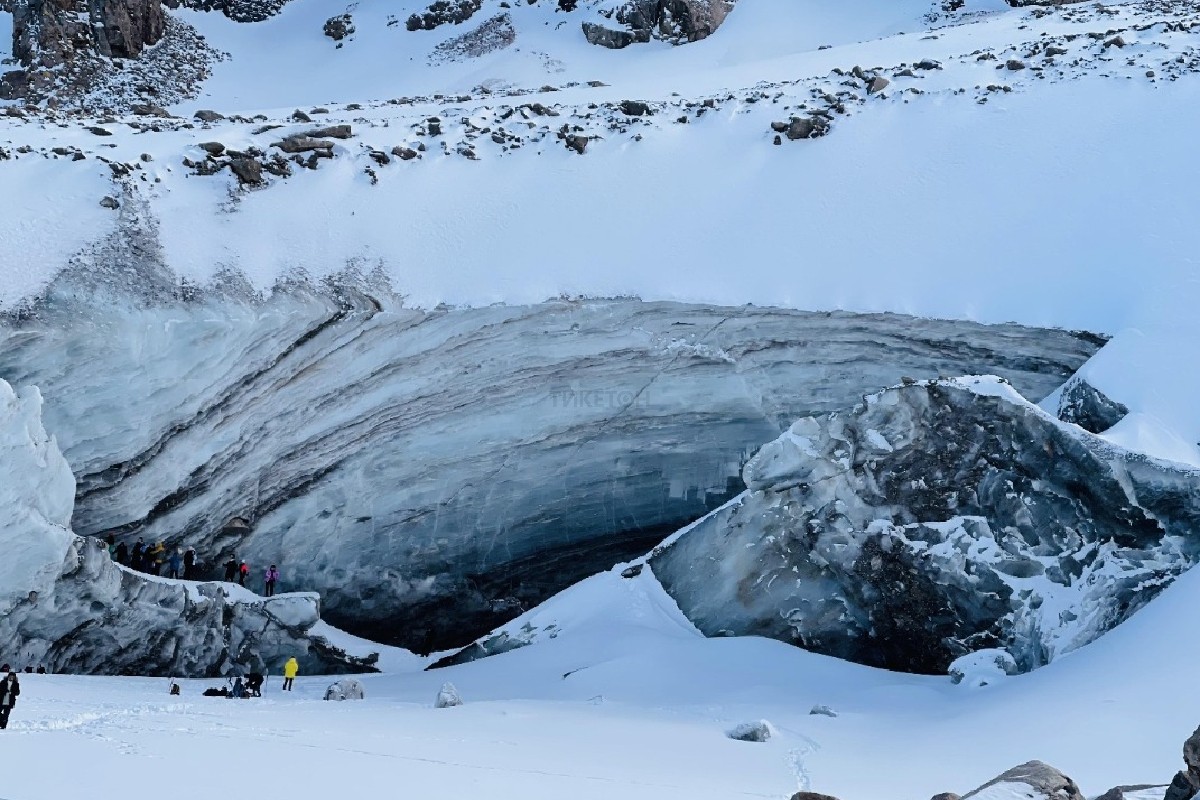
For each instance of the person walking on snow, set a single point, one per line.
(189, 564)
(243, 573)
(231, 570)
(290, 669)
(175, 564)
(10, 687)
(270, 577)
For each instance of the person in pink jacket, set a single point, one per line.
(270, 577)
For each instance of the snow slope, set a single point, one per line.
(939, 196)
(628, 699)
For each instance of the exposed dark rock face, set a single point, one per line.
(1186, 783)
(236, 10)
(49, 34)
(495, 33)
(1088, 407)
(443, 12)
(676, 21)
(902, 533)
(434, 473)
(1046, 782)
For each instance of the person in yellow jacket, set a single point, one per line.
(289, 673)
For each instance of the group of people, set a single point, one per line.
(152, 558)
(239, 571)
(10, 686)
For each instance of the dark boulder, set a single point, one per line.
(339, 27)
(613, 39)
(1046, 782)
(1086, 406)
(1186, 783)
(249, 171)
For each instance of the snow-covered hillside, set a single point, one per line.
(460, 302)
(622, 696)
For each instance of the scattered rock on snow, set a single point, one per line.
(1014, 64)
(1127, 792)
(109, 202)
(823, 711)
(212, 148)
(945, 796)
(1046, 782)
(760, 731)
(812, 796)
(447, 697)
(332, 132)
(339, 27)
(878, 85)
(345, 689)
(249, 171)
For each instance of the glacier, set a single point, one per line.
(65, 606)
(433, 473)
(933, 520)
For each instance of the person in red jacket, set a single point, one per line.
(243, 573)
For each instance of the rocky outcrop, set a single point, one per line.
(1186, 783)
(933, 520)
(66, 606)
(443, 12)
(1086, 406)
(49, 36)
(433, 473)
(1135, 792)
(676, 21)
(1035, 780)
(236, 10)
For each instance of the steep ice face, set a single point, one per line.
(933, 520)
(65, 605)
(434, 473)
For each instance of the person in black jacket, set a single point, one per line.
(136, 557)
(189, 564)
(231, 570)
(123, 554)
(10, 689)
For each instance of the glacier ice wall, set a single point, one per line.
(432, 473)
(65, 605)
(933, 520)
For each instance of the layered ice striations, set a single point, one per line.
(933, 520)
(433, 473)
(65, 605)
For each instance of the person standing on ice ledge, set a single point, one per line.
(289, 673)
(243, 573)
(10, 688)
(270, 577)
(175, 564)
